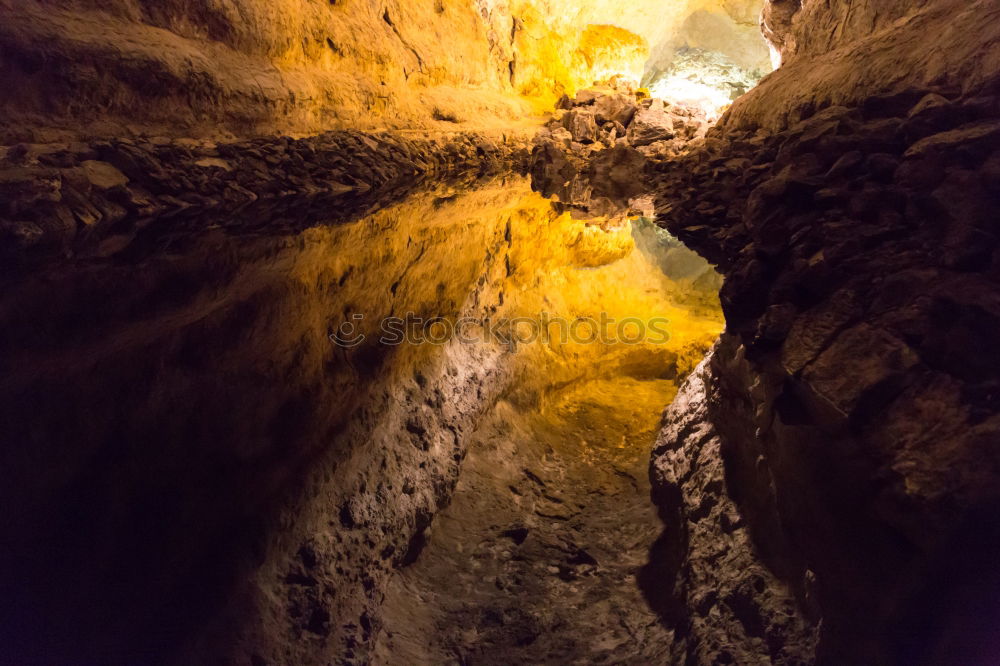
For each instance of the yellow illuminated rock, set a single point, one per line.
(297, 66)
(577, 280)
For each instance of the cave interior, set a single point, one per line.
(492, 332)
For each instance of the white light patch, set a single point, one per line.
(683, 91)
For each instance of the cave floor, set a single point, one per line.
(536, 559)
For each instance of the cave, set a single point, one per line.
(493, 332)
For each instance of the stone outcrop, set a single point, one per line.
(182, 68)
(705, 575)
(840, 53)
(650, 125)
(853, 387)
(96, 197)
(593, 151)
(776, 26)
(246, 67)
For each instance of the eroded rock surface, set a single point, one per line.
(593, 152)
(98, 197)
(840, 53)
(856, 414)
(705, 573)
(126, 67)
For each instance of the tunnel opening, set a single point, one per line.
(712, 57)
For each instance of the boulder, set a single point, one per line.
(582, 125)
(614, 109)
(586, 97)
(650, 125)
(617, 173)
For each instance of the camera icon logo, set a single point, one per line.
(348, 335)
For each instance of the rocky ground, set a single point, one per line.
(592, 153)
(72, 198)
(537, 559)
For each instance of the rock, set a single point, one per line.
(21, 234)
(847, 165)
(213, 163)
(146, 178)
(103, 176)
(586, 97)
(614, 109)
(617, 173)
(882, 166)
(725, 592)
(931, 107)
(27, 188)
(650, 125)
(659, 149)
(990, 173)
(814, 329)
(982, 138)
(776, 25)
(581, 125)
(652, 103)
(862, 363)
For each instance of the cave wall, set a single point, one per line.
(207, 67)
(842, 52)
(198, 440)
(850, 202)
(248, 65)
(730, 28)
(705, 575)
(180, 68)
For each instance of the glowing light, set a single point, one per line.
(775, 56)
(707, 80)
(680, 90)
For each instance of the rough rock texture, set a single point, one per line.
(776, 26)
(649, 126)
(97, 197)
(728, 28)
(593, 152)
(859, 419)
(183, 68)
(205, 445)
(837, 53)
(728, 606)
(114, 68)
(208, 68)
